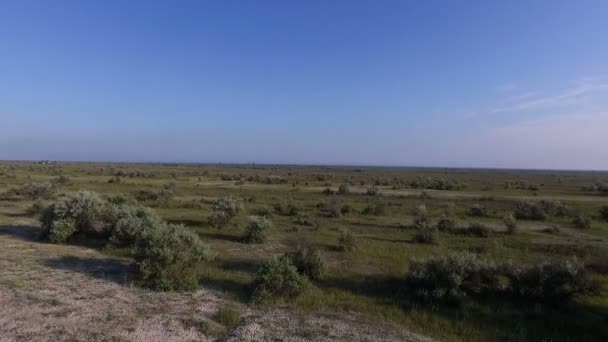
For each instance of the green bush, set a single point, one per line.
(510, 223)
(257, 230)
(477, 229)
(278, 278)
(539, 210)
(478, 210)
(421, 217)
(452, 277)
(82, 209)
(304, 220)
(455, 276)
(61, 230)
(343, 189)
(426, 234)
(446, 223)
(346, 240)
(125, 223)
(551, 281)
(376, 208)
(581, 221)
(168, 257)
(604, 212)
(308, 261)
(223, 210)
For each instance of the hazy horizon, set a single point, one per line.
(517, 85)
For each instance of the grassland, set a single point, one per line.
(365, 282)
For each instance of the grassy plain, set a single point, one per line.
(367, 281)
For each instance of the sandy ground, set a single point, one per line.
(59, 293)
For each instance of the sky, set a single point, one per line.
(505, 84)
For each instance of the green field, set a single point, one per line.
(369, 279)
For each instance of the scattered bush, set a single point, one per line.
(421, 217)
(346, 240)
(61, 230)
(257, 230)
(510, 223)
(278, 278)
(125, 224)
(581, 221)
(167, 257)
(308, 261)
(287, 209)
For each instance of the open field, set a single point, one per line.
(86, 290)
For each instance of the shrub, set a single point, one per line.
(376, 208)
(478, 211)
(581, 221)
(604, 212)
(426, 234)
(446, 223)
(61, 230)
(277, 278)
(551, 281)
(510, 223)
(304, 220)
(372, 191)
(347, 209)
(82, 209)
(308, 261)
(477, 229)
(346, 240)
(223, 210)
(125, 224)
(539, 210)
(452, 277)
(343, 189)
(167, 257)
(287, 209)
(421, 216)
(257, 230)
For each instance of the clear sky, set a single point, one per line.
(413, 83)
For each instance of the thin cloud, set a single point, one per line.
(554, 100)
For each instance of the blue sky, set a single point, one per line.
(429, 83)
